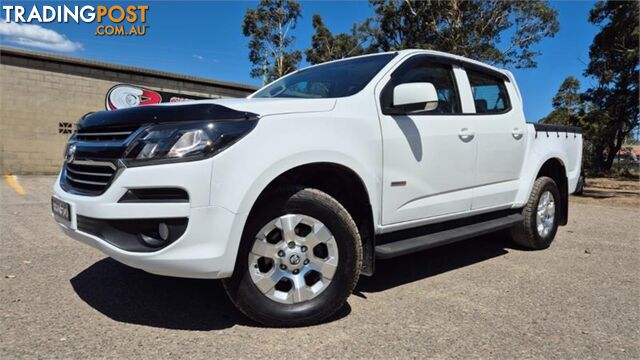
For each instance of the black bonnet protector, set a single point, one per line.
(157, 114)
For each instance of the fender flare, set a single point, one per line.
(562, 185)
(300, 159)
(280, 167)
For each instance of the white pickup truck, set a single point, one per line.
(291, 194)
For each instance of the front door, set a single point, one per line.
(429, 157)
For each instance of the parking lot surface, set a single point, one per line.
(479, 298)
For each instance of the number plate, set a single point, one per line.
(61, 210)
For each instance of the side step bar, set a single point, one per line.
(423, 242)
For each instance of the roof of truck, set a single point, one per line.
(457, 59)
(448, 55)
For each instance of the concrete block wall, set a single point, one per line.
(37, 94)
(32, 104)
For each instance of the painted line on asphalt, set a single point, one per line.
(12, 180)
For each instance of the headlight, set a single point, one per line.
(184, 142)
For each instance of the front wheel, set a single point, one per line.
(541, 216)
(299, 259)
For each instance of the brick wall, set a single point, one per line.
(37, 93)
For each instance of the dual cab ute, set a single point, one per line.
(291, 194)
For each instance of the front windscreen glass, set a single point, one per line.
(337, 79)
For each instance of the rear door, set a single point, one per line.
(499, 126)
(428, 157)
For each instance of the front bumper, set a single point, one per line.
(207, 248)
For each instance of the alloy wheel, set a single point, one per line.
(293, 259)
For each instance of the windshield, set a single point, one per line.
(338, 79)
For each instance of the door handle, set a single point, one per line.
(517, 133)
(465, 135)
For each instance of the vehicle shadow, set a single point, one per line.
(411, 132)
(406, 269)
(133, 296)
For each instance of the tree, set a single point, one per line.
(559, 117)
(613, 63)
(568, 96)
(469, 28)
(568, 104)
(326, 47)
(570, 107)
(268, 25)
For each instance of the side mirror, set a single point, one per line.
(415, 97)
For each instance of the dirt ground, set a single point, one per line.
(481, 298)
(611, 192)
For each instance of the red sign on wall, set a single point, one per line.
(124, 96)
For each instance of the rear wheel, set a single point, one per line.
(299, 259)
(580, 185)
(541, 216)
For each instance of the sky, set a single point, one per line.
(204, 38)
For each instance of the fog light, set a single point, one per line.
(151, 241)
(163, 231)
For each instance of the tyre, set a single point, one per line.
(580, 185)
(541, 216)
(299, 259)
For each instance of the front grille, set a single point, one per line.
(95, 152)
(105, 134)
(89, 177)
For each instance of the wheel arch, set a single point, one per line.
(341, 182)
(554, 167)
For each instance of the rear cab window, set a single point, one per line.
(490, 94)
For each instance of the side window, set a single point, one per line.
(440, 75)
(489, 93)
